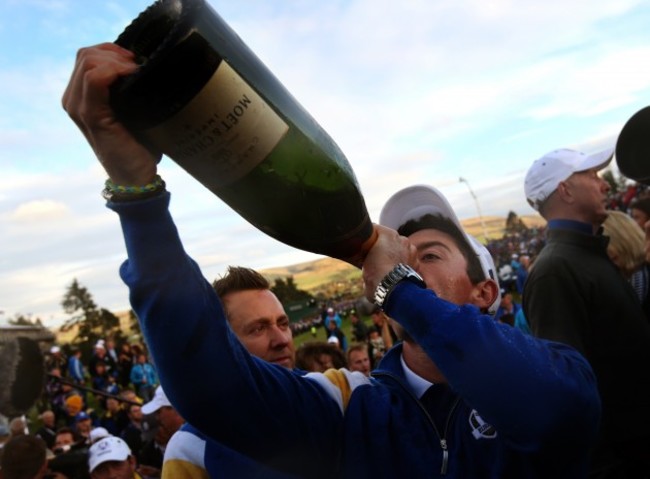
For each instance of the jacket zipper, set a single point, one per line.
(443, 439)
(445, 456)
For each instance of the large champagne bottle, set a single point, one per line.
(204, 99)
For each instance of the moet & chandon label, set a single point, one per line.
(227, 128)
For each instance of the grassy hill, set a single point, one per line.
(311, 275)
(494, 225)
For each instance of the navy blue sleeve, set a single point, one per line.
(533, 391)
(254, 407)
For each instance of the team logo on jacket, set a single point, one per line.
(481, 429)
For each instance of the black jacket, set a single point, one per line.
(574, 294)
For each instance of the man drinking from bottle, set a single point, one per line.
(460, 396)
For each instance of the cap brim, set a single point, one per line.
(151, 407)
(597, 160)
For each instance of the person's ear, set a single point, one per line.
(485, 294)
(565, 191)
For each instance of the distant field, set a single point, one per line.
(494, 225)
(312, 275)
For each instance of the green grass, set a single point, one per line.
(346, 327)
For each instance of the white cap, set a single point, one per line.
(110, 448)
(159, 400)
(55, 349)
(414, 202)
(550, 170)
(333, 340)
(98, 433)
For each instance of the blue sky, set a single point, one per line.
(418, 91)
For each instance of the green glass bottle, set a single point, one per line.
(204, 99)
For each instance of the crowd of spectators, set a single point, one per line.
(84, 397)
(89, 398)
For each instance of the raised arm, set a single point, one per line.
(261, 410)
(535, 392)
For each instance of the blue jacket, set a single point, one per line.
(540, 397)
(143, 371)
(76, 369)
(516, 307)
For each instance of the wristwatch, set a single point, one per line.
(399, 273)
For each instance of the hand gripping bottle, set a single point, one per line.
(204, 99)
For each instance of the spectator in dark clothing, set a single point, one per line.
(640, 211)
(47, 431)
(575, 295)
(125, 363)
(359, 328)
(114, 419)
(132, 434)
(101, 357)
(56, 360)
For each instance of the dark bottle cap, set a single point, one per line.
(175, 63)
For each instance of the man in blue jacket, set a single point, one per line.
(259, 321)
(461, 396)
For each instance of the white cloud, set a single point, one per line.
(39, 211)
(417, 91)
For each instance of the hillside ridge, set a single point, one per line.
(310, 275)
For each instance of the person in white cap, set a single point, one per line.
(167, 417)
(514, 406)
(574, 294)
(111, 458)
(97, 434)
(493, 402)
(55, 359)
(331, 316)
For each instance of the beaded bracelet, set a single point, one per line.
(114, 192)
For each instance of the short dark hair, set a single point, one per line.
(311, 350)
(642, 204)
(239, 278)
(445, 225)
(68, 430)
(22, 457)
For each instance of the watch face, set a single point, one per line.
(397, 274)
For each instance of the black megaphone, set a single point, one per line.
(633, 147)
